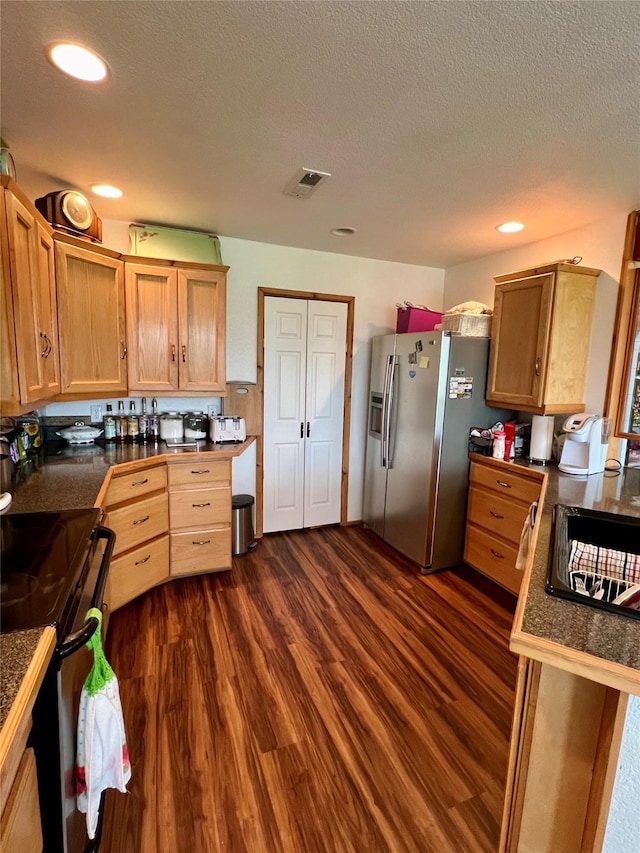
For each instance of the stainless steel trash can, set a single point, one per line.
(242, 524)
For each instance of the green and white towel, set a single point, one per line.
(102, 755)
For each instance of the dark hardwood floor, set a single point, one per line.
(323, 697)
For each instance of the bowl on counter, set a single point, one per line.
(79, 433)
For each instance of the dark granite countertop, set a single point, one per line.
(16, 653)
(606, 637)
(65, 477)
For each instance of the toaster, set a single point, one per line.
(227, 428)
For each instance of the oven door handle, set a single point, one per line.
(82, 636)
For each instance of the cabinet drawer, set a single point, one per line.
(200, 551)
(20, 829)
(198, 508)
(124, 488)
(137, 571)
(492, 557)
(195, 474)
(508, 483)
(136, 523)
(496, 513)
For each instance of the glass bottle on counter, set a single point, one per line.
(154, 422)
(143, 422)
(109, 424)
(121, 422)
(133, 425)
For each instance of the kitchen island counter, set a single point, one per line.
(25, 656)
(599, 645)
(578, 666)
(63, 477)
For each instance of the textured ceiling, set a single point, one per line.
(437, 120)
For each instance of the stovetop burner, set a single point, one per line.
(42, 558)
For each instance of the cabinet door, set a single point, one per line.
(152, 327)
(91, 322)
(202, 300)
(26, 288)
(48, 313)
(519, 341)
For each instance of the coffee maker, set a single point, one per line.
(585, 445)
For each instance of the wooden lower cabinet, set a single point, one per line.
(20, 830)
(565, 742)
(500, 496)
(138, 570)
(137, 508)
(200, 516)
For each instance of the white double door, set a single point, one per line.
(304, 370)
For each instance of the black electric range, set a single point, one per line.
(42, 559)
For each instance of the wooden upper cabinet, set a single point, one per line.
(540, 339)
(176, 328)
(202, 301)
(91, 319)
(30, 369)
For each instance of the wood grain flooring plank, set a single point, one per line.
(323, 697)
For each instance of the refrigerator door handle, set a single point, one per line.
(390, 384)
(385, 413)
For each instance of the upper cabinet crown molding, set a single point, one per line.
(540, 338)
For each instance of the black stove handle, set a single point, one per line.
(81, 637)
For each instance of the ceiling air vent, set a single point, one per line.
(305, 182)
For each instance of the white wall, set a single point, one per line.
(600, 244)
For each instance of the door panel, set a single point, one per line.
(202, 308)
(375, 484)
(152, 328)
(326, 346)
(285, 333)
(305, 345)
(48, 313)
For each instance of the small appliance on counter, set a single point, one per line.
(227, 428)
(585, 446)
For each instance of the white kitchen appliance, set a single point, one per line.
(585, 445)
(227, 428)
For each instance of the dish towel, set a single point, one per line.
(525, 538)
(102, 755)
(620, 565)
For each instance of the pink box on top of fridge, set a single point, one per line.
(412, 318)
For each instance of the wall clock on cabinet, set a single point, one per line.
(70, 211)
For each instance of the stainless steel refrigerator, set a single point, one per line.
(426, 391)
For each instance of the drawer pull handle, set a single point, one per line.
(204, 471)
(140, 482)
(208, 503)
(503, 484)
(495, 514)
(142, 520)
(201, 542)
(497, 554)
(140, 562)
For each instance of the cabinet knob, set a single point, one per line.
(201, 542)
(124, 351)
(173, 352)
(140, 482)
(184, 353)
(141, 520)
(145, 560)
(497, 554)
(495, 514)
(503, 484)
(208, 503)
(538, 366)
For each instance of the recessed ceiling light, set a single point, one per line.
(510, 227)
(106, 190)
(78, 62)
(343, 232)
